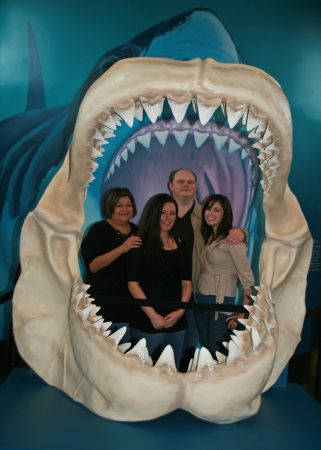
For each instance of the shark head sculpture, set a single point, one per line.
(56, 325)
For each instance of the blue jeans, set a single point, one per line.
(213, 332)
(158, 341)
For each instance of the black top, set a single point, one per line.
(159, 281)
(111, 280)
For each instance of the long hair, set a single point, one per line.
(149, 228)
(112, 197)
(226, 222)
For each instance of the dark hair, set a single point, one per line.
(149, 228)
(112, 197)
(172, 176)
(227, 220)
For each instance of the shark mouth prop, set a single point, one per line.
(57, 329)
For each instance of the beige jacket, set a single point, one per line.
(222, 265)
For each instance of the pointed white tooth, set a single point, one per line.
(131, 146)
(140, 350)
(233, 146)
(272, 147)
(267, 133)
(223, 107)
(244, 117)
(194, 103)
(127, 114)
(250, 163)
(117, 120)
(84, 313)
(94, 310)
(269, 291)
(190, 364)
(235, 355)
(274, 168)
(261, 127)
(105, 326)
(139, 114)
(107, 133)
(254, 134)
(220, 357)
(105, 334)
(219, 140)
(99, 137)
(226, 344)
(167, 358)
(117, 161)
(97, 325)
(252, 122)
(263, 183)
(243, 340)
(161, 136)
(85, 287)
(145, 139)
(124, 154)
(200, 138)
(95, 153)
(178, 109)
(91, 178)
(195, 359)
(273, 160)
(261, 157)
(233, 116)
(253, 312)
(269, 327)
(93, 165)
(180, 136)
(257, 145)
(118, 335)
(205, 359)
(244, 154)
(124, 347)
(266, 194)
(96, 319)
(153, 110)
(112, 169)
(109, 123)
(78, 298)
(205, 112)
(256, 339)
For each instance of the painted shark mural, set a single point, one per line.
(232, 124)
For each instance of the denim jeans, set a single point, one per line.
(213, 332)
(158, 341)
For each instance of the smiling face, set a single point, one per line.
(168, 217)
(214, 215)
(123, 211)
(56, 325)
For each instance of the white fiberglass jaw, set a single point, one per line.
(56, 325)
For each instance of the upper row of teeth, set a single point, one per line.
(257, 128)
(261, 325)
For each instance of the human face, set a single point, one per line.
(183, 185)
(168, 217)
(123, 211)
(214, 215)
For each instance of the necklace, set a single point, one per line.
(117, 230)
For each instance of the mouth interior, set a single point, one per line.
(226, 154)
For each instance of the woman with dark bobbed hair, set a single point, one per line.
(222, 265)
(159, 270)
(103, 251)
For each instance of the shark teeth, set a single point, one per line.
(167, 358)
(257, 127)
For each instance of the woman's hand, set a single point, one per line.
(131, 242)
(233, 321)
(158, 321)
(173, 317)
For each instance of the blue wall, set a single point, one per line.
(282, 38)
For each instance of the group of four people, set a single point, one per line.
(180, 251)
